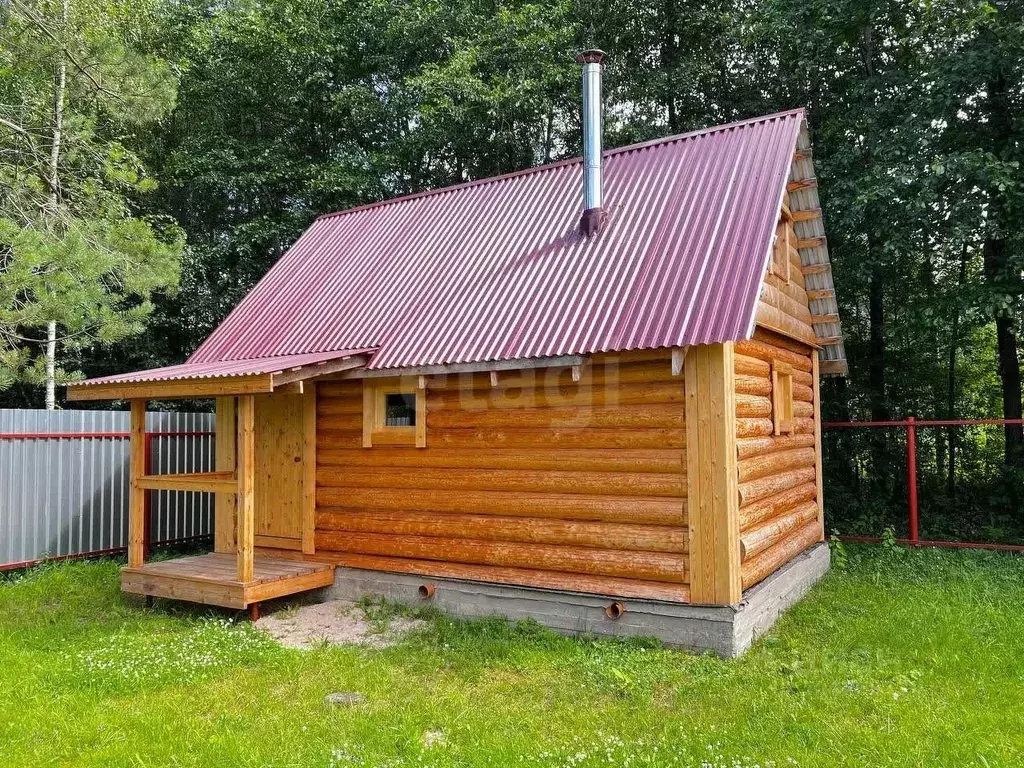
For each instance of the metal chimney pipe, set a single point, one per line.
(593, 212)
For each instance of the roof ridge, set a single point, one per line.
(567, 161)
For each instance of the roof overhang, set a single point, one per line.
(256, 376)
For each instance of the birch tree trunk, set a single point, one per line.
(59, 89)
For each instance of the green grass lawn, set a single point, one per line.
(897, 658)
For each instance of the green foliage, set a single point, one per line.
(75, 84)
(893, 661)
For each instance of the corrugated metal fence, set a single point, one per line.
(64, 481)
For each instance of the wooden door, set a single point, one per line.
(279, 471)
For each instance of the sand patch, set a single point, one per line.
(338, 622)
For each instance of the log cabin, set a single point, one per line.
(586, 392)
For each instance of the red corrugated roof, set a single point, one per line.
(497, 269)
(222, 369)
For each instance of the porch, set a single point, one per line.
(212, 579)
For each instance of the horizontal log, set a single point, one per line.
(754, 427)
(534, 481)
(769, 561)
(777, 320)
(565, 506)
(803, 409)
(590, 376)
(526, 577)
(203, 482)
(768, 353)
(757, 446)
(651, 566)
(753, 407)
(646, 416)
(753, 385)
(775, 463)
(643, 538)
(337, 438)
(780, 503)
(751, 366)
(773, 531)
(512, 437)
(557, 397)
(345, 422)
(802, 426)
(764, 487)
(792, 290)
(779, 341)
(631, 356)
(778, 298)
(581, 459)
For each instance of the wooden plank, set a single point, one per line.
(224, 503)
(421, 417)
(796, 186)
(137, 500)
(319, 369)
(367, 415)
(309, 459)
(810, 242)
(832, 367)
(268, 590)
(819, 294)
(818, 482)
(712, 498)
(831, 317)
(809, 215)
(245, 472)
(172, 390)
(276, 542)
(816, 269)
(202, 482)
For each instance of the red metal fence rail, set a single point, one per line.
(911, 425)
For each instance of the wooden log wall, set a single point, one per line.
(783, 306)
(529, 478)
(779, 481)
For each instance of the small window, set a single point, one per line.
(399, 409)
(782, 397)
(394, 413)
(780, 263)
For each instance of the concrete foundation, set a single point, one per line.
(725, 630)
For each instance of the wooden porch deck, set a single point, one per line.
(212, 579)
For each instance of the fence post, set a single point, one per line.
(147, 506)
(912, 478)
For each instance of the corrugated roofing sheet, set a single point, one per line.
(222, 369)
(497, 269)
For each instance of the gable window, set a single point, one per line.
(782, 397)
(394, 413)
(780, 264)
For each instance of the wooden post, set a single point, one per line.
(712, 494)
(309, 469)
(820, 489)
(224, 503)
(245, 470)
(137, 500)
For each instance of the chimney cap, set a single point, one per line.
(591, 56)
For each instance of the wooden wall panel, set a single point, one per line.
(532, 479)
(779, 477)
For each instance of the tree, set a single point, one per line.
(77, 266)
